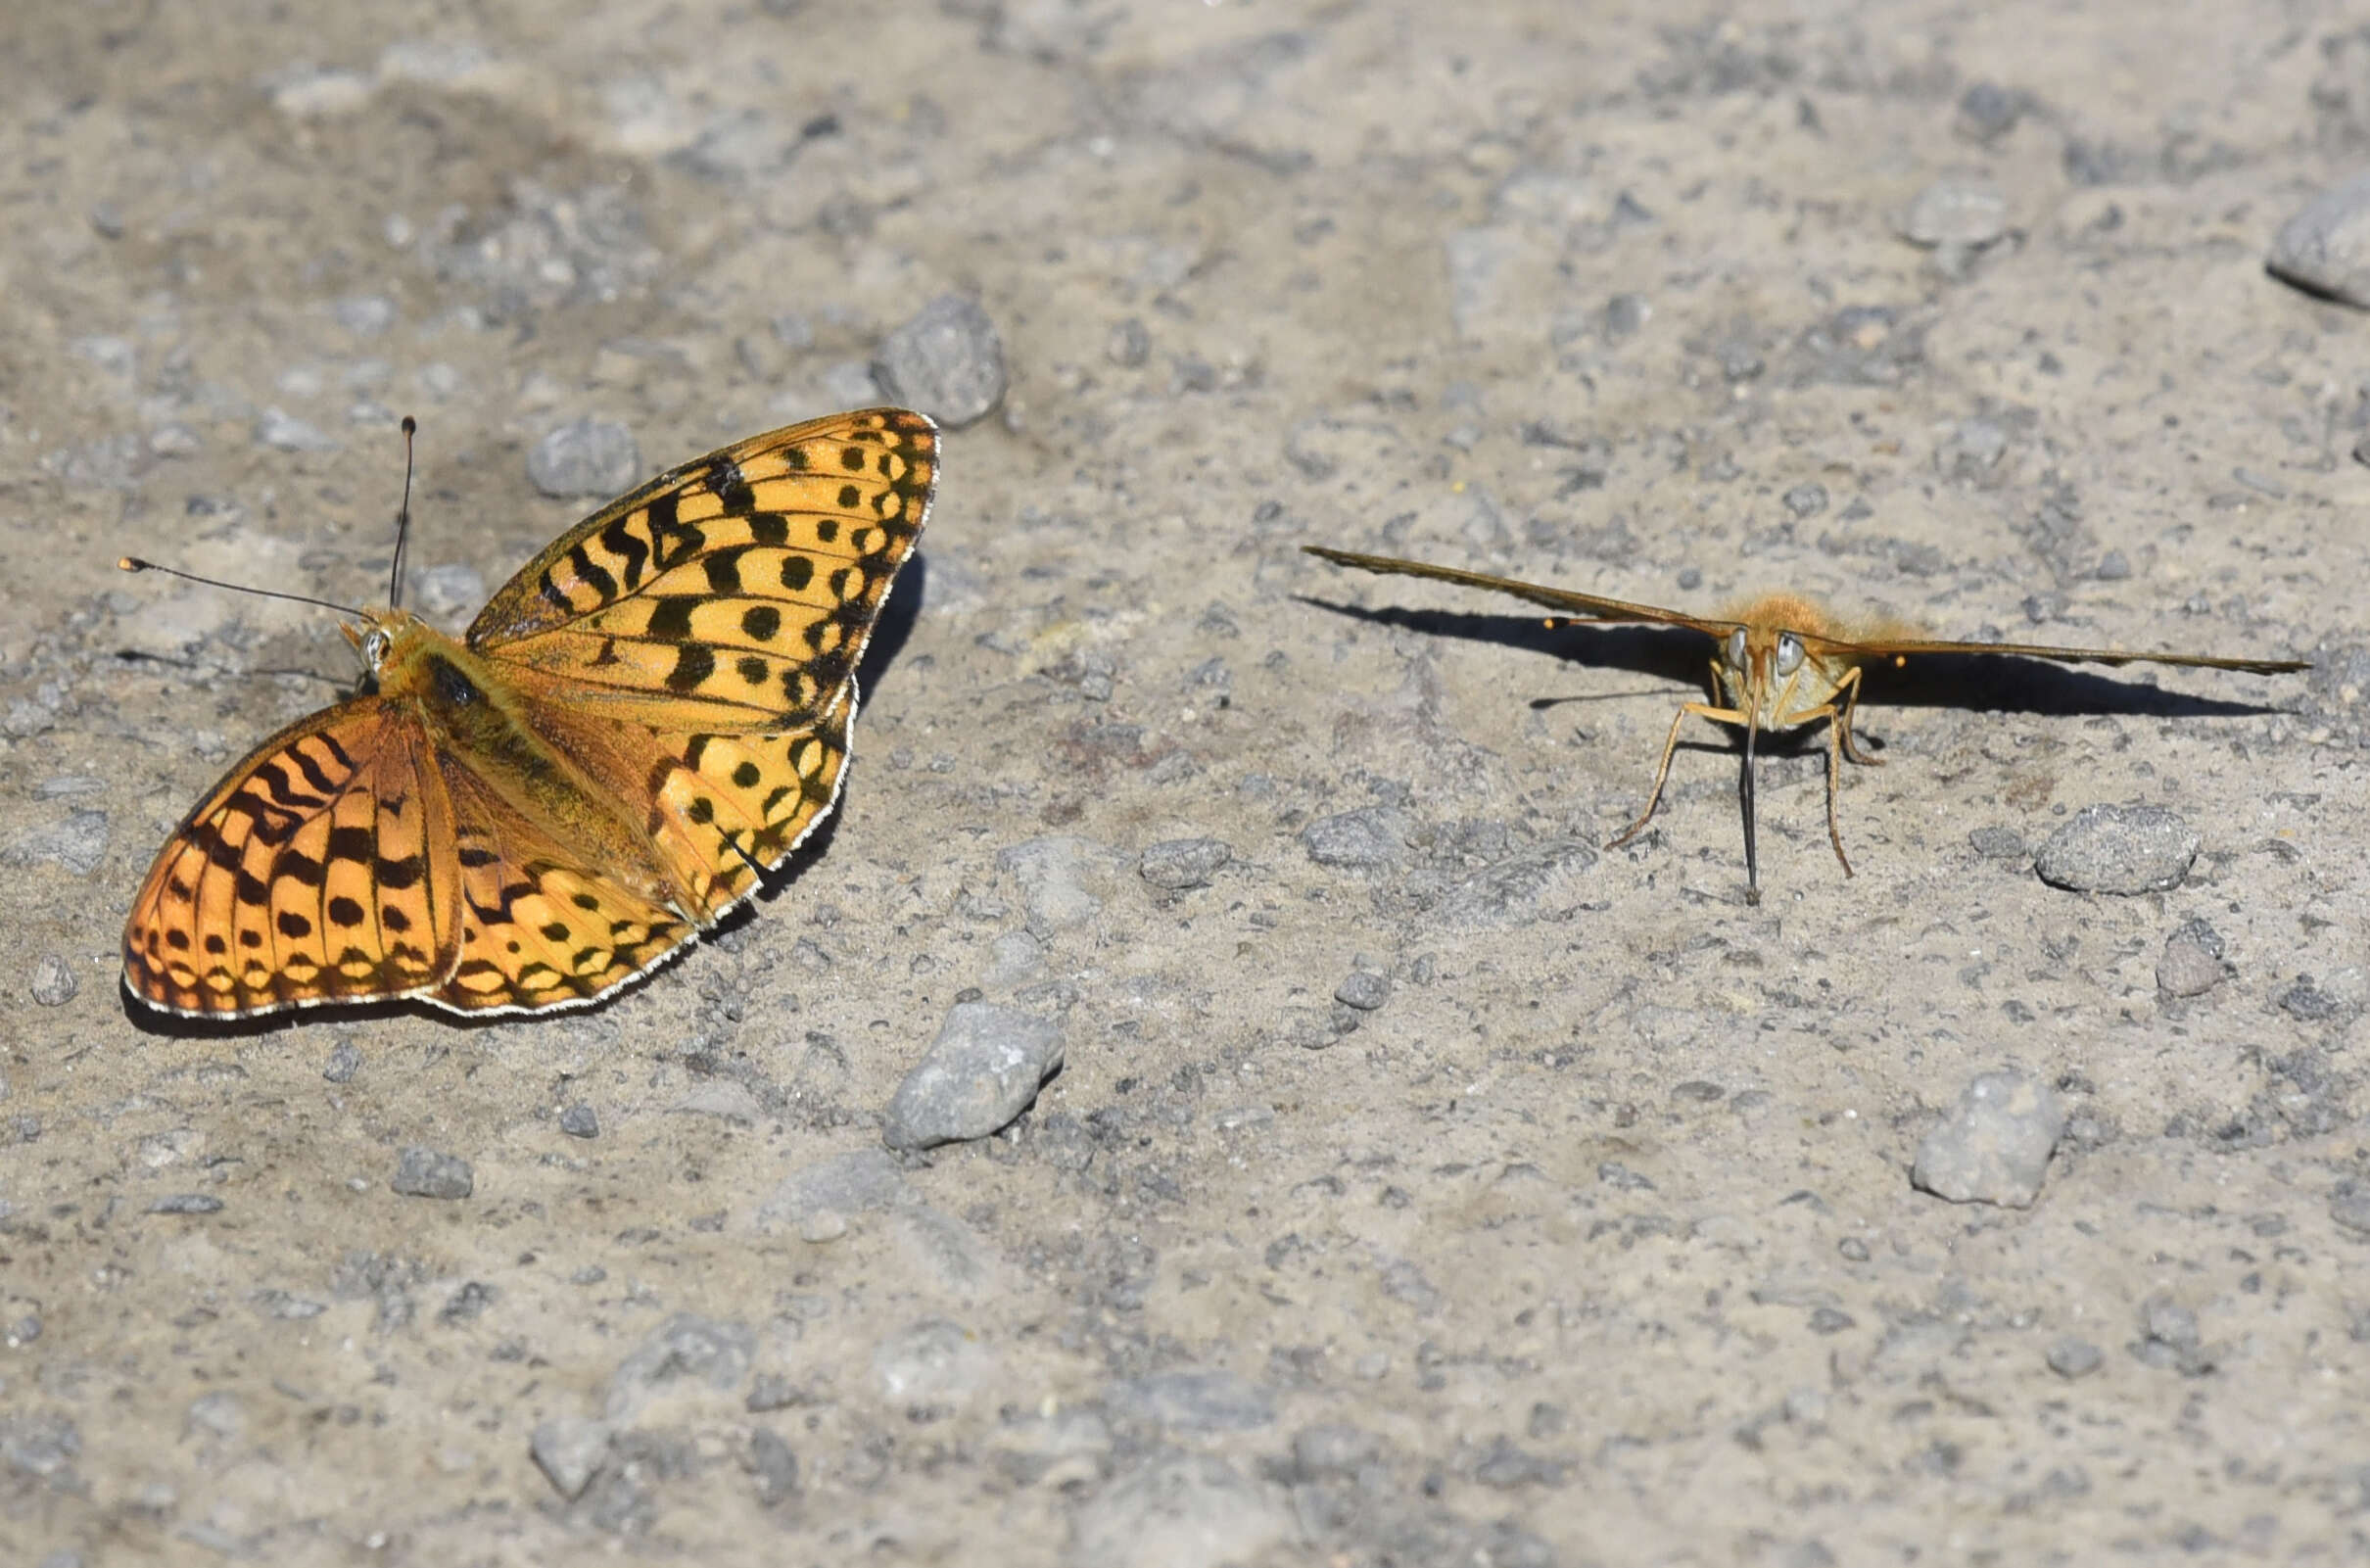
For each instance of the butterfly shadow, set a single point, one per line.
(1989, 682)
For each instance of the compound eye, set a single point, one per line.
(374, 649)
(1790, 653)
(1736, 648)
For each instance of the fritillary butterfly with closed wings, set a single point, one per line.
(650, 714)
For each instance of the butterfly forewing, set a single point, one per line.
(733, 593)
(319, 870)
(1913, 648)
(1583, 606)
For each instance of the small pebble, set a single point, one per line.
(75, 843)
(775, 1467)
(713, 1350)
(2118, 850)
(1625, 313)
(1955, 211)
(820, 1225)
(285, 432)
(585, 457)
(2324, 249)
(946, 362)
(983, 1070)
(425, 1173)
(580, 1122)
(2072, 1357)
(1806, 501)
(1177, 1508)
(1129, 344)
(345, 1061)
(1988, 112)
(570, 1450)
(2349, 1207)
(1177, 864)
(2191, 964)
(54, 983)
(1998, 843)
(1994, 1144)
(1365, 991)
(1373, 835)
(187, 1202)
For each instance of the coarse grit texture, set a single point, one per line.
(1422, 1182)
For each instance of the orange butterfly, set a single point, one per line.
(1781, 661)
(644, 719)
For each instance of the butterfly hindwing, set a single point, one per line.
(318, 870)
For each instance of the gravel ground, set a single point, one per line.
(1413, 1180)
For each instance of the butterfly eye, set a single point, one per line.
(1790, 653)
(374, 649)
(1736, 648)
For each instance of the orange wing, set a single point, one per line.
(540, 926)
(319, 870)
(1907, 647)
(1583, 606)
(733, 592)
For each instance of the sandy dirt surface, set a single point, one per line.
(1426, 1182)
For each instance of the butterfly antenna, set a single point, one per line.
(402, 520)
(133, 563)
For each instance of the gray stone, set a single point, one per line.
(1177, 1510)
(1370, 836)
(2072, 1358)
(1955, 211)
(687, 1347)
(935, 1363)
(2324, 249)
(1995, 1143)
(1215, 1400)
(449, 592)
(2349, 1207)
(2191, 964)
(39, 1445)
(1988, 112)
(217, 1414)
(53, 983)
(1052, 873)
(186, 1203)
(583, 459)
(1129, 344)
(285, 432)
(365, 315)
(1177, 864)
(570, 1450)
(946, 362)
(1997, 842)
(983, 1070)
(860, 1181)
(774, 1466)
(76, 844)
(580, 1122)
(1333, 1448)
(1971, 451)
(2118, 850)
(1806, 501)
(345, 1061)
(1363, 989)
(425, 1173)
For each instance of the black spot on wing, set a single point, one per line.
(695, 662)
(723, 569)
(670, 616)
(623, 542)
(732, 488)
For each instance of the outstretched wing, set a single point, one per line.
(319, 870)
(1581, 606)
(1911, 647)
(542, 925)
(731, 595)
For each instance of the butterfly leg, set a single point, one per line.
(1849, 688)
(1662, 773)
